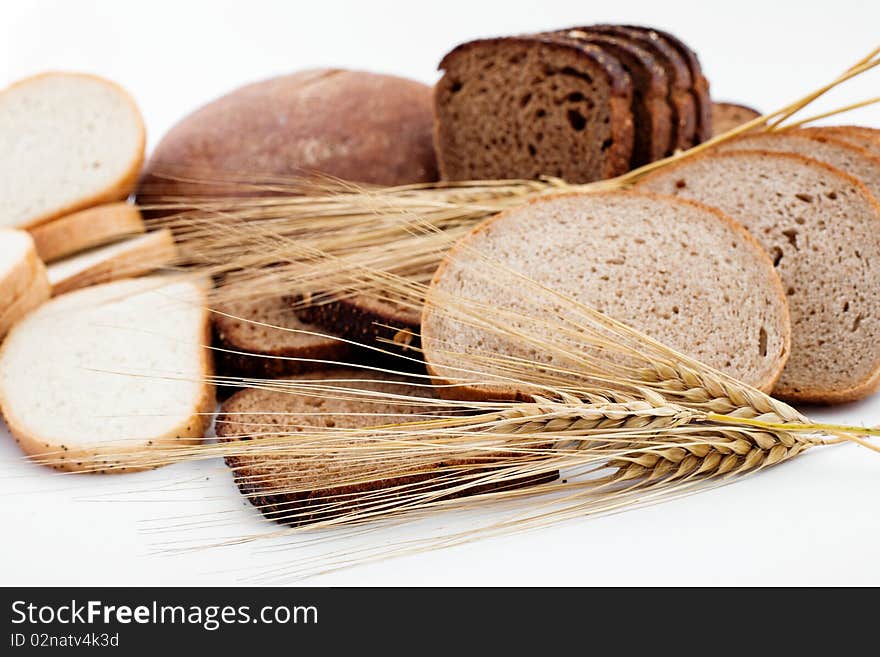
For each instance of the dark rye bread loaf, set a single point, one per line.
(727, 116)
(822, 228)
(354, 125)
(523, 107)
(682, 273)
(297, 491)
(853, 160)
(652, 113)
(681, 83)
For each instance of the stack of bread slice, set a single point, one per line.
(23, 281)
(582, 104)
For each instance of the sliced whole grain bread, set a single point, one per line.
(301, 490)
(727, 116)
(264, 338)
(127, 373)
(125, 259)
(682, 273)
(700, 84)
(853, 160)
(67, 141)
(524, 107)
(681, 84)
(86, 229)
(652, 113)
(867, 138)
(822, 228)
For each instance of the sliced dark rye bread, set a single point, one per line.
(524, 107)
(681, 94)
(252, 346)
(680, 272)
(700, 84)
(652, 113)
(822, 228)
(867, 138)
(853, 160)
(727, 116)
(297, 491)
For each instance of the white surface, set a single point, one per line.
(813, 521)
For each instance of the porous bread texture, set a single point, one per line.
(67, 141)
(299, 490)
(853, 160)
(682, 273)
(861, 136)
(257, 327)
(523, 107)
(822, 229)
(86, 229)
(95, 379)
(125, 259)
(727, 116)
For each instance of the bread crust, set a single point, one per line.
(727, 116)
(86, 229)
(19, 277)
(811, 394)
(116, 459)
(119, 189)
(459, 391)
(31, 297)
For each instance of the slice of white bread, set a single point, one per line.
(125, 259)
(93, 379)
(821, 226)
(680, 272)
(855, 161)
(67, 141)
(24, 284)
(86, 229)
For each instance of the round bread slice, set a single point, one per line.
(94, 379)
(19, 265)
(867, 138)
(821, 226)
(727, 116)
(67, 141)
(252, 340)
(33, 296)
(853, 160)
(86, 229)
(301, 490)
(680, 272)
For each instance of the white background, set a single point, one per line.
(813, 521)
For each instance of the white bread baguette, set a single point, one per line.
(18, 264)
(37, 293)
(132, 257)
(86, 229)
(67, 141)
(682, 273)
(127, 371)
(821, 226)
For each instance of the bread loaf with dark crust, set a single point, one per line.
(523, 107)
(652, 113)
(681, 84)
(301, 490)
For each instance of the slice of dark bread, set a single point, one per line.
(700, 84)
(681, 84)
(266, 346)
(680, 272)
(652, 113)
(822, 228)
(301, 490)
(867, 138)
(853, 160)
(523, 107)
(727, 116)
